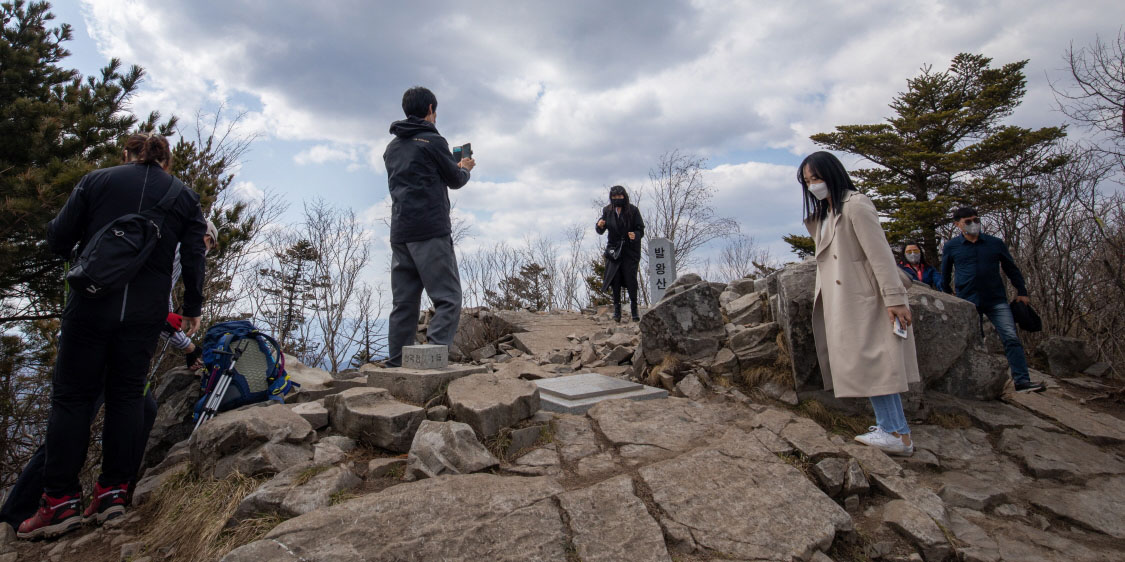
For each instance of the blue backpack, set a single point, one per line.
(258, 375)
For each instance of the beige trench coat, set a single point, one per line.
(856, 280)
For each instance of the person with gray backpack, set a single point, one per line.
(120, 228)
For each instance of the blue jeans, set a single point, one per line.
(1001, 317)
(889, 415)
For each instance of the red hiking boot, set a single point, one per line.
(56, 516)
(108, 504)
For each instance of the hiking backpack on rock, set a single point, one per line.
(244, 366)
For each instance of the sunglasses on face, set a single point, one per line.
(972, 221)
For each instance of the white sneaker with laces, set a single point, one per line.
(885, 442)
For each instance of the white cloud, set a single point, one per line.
(246, 191)
(561, 100)
(322, 154)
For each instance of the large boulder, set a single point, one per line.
(1067, 357)
(751, 308)
(253, 440)
(371, 415)
(945, 328)
(795, 286)
(489, 402)
(472, 517)
(687, 325)
(296, 491)
(976, 375)
(446, 448)
(176, 395)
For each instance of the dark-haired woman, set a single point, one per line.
(859, 300)
(914, 264)
(623, 248)
(107, 339)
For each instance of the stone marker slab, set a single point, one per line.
(585, 385)
(415, 385)
(425, 357)
(575, 394)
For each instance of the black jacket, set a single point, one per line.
(419, 169)
(978, 265)
(104, 195)
(619, 228)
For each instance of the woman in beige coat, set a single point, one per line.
(859, 302)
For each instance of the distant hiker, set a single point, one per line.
(623, 248)
(108, 337)
(177, 338)
(24, 496)
(420, 171)
(976, 259)
(859, 302)
(914, 264)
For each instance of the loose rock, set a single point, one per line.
(446, 448)
(489, 402)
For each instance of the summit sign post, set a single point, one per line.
(661, 267)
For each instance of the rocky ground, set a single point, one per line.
(741, 464)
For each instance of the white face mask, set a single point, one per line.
(914, 258)
(819, 190)
(973, 229)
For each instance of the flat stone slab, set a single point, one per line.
(417, 385)
(576, 394)
(1059, 456)
(738, 498)
(425, 357)
(1098, 427)
(585, 385)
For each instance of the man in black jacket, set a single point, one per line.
(420, 172)
(106, 343)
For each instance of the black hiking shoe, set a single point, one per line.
(56, 516)
(1031, 387)
(108, 504)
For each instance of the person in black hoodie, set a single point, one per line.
(106, 343)
(420, 172)
(623, 248)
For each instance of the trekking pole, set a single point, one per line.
(211, 407)
(155, 366)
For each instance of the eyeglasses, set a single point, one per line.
(972, 221)
(913, 253)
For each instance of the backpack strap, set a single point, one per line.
(170, 195)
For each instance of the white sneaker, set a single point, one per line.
(885, 442)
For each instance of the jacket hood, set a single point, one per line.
(412, 126)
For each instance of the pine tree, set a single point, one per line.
(946, 146)
(289, 288)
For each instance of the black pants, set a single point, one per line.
(23, 499)
(632, 289)
(99, 354)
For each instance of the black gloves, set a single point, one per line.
(191, 358)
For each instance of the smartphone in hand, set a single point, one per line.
(899, 330)
(463, 151)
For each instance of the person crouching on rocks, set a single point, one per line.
(858, 299)
(623, 248)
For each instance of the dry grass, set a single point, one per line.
(188, 516)
(308, 474)
(670, 365)
(836, 422)
(950, 421)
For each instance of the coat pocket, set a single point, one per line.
(862, 279)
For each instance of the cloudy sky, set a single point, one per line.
(562, 99)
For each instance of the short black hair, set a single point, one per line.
(964, 213)
(825, 166)
(416, 102)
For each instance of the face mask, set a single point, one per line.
(819, 190)
(618, 202)
(973, 229)
(914, 258)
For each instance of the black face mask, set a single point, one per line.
(617, 202)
